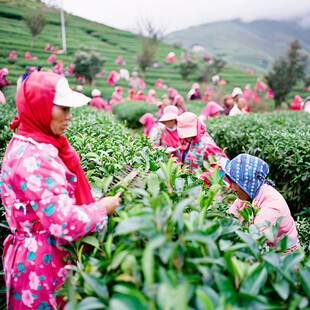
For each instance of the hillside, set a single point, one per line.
(245, 45)
(109, 42)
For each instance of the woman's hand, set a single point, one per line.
(111, 203)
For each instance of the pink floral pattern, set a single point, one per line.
(38, 192)
(201, 151)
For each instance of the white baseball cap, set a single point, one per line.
(66, 97)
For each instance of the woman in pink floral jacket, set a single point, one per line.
(45, 192)
(201, 145)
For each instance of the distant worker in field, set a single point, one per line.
(131, 94)
(238, 107)
(180, 104)
(237, 92)
(3, 80)
(51, 58)
(200, 146)
(98, 102)
(247, 175)
(79, 89)
(113, 77)
(165, 101)
(124, 74)
(212, 109)
(2, 98)
(134, 81)
(171, 57)
(27, 73)
(193, 94)
(119, 61)
(160, 84)
(172, 92)
(151, 96)
(117, 95)
(140, 95)
(296, 105)
(13, 54)
(260, 85)
(28, 57)
(149, 121)
(228, 103)
(206, 95)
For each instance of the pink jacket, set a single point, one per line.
(211, 108)
(272, 205)
(38, 192)
(100, 104)
(116, 97)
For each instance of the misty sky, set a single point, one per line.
(172, 15)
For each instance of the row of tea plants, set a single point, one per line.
(170, 244)
(282, 139)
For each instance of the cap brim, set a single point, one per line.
(66, 97)
(72, 100)
(187, 132)
(168, 117)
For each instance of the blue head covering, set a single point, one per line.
(249, 172)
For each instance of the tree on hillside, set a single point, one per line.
(186, 67)
(88, 62)
(35, 21)
(150, 42)
(211, 67)
(286, 72)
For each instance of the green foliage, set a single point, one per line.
(168, 247)
(186, 67)
(211, 67)
(150, 43)
(131, 111)
(169, 243)
(303, 228)
(7, 112)
(35, 21)
(105, 145)
(282, 139)
(88, 62)
(286, 72)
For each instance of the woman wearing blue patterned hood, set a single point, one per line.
(247, 175)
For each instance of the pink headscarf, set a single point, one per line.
(260, 85)
(201, 130)
(149, 120)
(34, 102)
(211, 108)
(296, 104)
(151, 96)
(187, 123)
(181, 109)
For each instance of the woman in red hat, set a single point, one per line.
(46, 195)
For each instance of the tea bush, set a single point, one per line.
(169, 247)
(130, 111)
(7, 112)
(282, 139)
(170, 244)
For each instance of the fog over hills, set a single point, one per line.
(247, 45)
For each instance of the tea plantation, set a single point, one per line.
(109, 42)
(171, 244)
